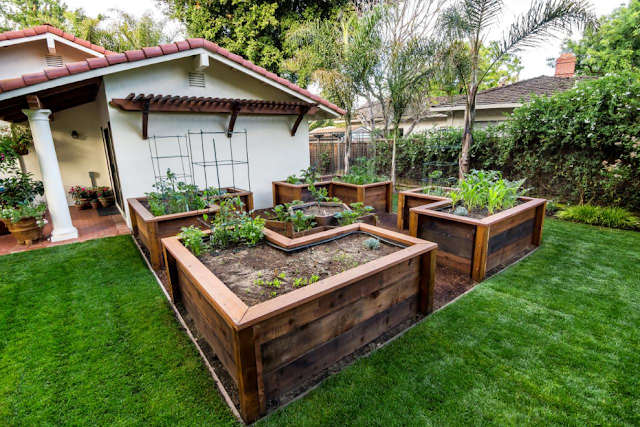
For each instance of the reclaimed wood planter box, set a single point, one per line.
(283, 192)
(379, 194)
(276, 345)
(412, 199)
(246, 197)
(475, 246)
(152, 229)
(323, 220)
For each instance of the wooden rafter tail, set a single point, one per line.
(234, 115)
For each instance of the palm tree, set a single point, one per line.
(338, 56)
(465, 26)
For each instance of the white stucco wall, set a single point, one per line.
(29, 57)
(273, 152)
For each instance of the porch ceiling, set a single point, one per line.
(55, 99)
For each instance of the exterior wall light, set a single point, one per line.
(74, 134)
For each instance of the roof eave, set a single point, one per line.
(478, 107)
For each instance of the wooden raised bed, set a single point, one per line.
(151, 229)
(412, 199)
(274, 346)
(246, 197)
(283, 192)
(475, 246)
(323, 220)
(379, 194)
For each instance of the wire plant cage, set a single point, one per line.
(198, 168)
(442, 172)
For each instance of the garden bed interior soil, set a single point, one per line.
(316, 210)
(251, 272)
(478, 213)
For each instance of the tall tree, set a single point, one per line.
(339, 56)
(255, 30)
(124, 31)
(466, 25)
(613, 46)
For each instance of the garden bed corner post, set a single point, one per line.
(427, 281)
(247, 374)
(481, 246)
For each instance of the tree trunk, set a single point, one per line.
(393, 159)
(347, 143)
(467, 136)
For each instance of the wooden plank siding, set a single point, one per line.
(272, 347)
(413, 199)
(475, 246)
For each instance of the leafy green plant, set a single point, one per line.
(174, 196)
(351, 217)
(301, 222)
(292, 179)
(372, 243)
(309, 175)
(320, 194)
(614, 217)
(193, 239)
(25, 210)
(361, 173)
(487, 190)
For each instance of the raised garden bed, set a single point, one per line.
(476, 246)
(246, 197)
(322, 211)
(275, 345)
(151, 229)
(379, 195)
(412, 199)
(283, 192)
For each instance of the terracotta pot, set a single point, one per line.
(80, 206)
(106, 201)
(26, 231)
(95, 205)
(21, 151)
(86, 203)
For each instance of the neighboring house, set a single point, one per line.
(91, 110)
(492, 105)
(337, 133)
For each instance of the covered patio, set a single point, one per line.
(88, 223)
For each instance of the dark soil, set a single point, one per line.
(263, 272)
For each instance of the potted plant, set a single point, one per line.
(105, 196)
(25, 221)
(95, 203)
(83, 195)
(18, 137)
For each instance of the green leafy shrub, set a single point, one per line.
(358, 210)
(301, 222)
(193, 239)
(614, 217)
(173, 196)
(292, 179)
(361, 173)
(486, 189)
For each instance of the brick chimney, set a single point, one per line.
(566, 65)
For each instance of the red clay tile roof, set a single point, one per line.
(112, 58)
(42, 29)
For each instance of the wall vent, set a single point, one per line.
(53, 60)
(196, 80)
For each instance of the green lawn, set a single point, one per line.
(86, 337)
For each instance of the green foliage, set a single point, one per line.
(613, 46)
(372, 243)
(24, 211)
(320, 194)
(292, 179)
(487, 189)
(233, 226)
(301, 222)
(309, 175)
(579, 145)
(357, 211)
(255, 30)
(173, 196)
(193, 239)
(613, 217)
(362, 172)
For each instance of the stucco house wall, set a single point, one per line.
(273, 152)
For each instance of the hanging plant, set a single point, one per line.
(15, 138)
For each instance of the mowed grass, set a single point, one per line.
(87, 338)
(554, 340)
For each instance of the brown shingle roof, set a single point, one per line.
(112, 58)
(515, 93)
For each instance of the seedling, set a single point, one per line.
(372, 243)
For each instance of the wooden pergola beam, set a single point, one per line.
(207, 105)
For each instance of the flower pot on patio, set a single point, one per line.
(26, 231)
(95, 204)
(106, 201)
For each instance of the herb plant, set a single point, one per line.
(487, 190)
(292, 179)
(193, 239)
(301, 222)
(173, 196)
(372, 243)
(351, 217)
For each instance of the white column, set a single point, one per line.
(54, 189)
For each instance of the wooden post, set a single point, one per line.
(297, 193)
(275, 194)
(360, 194)
(539, 224)
(413, 224)
(247, 374)
(134, 221)
(390, 198)
(156, 246)
(427, 281)
(400, 222)
(480, 248)
(261, 395)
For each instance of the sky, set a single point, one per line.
(533, 60)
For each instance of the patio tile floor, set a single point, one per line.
(89, 224)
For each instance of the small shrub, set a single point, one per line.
(372, 243)
(302, 222)
(613, 217)
(362, 173)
